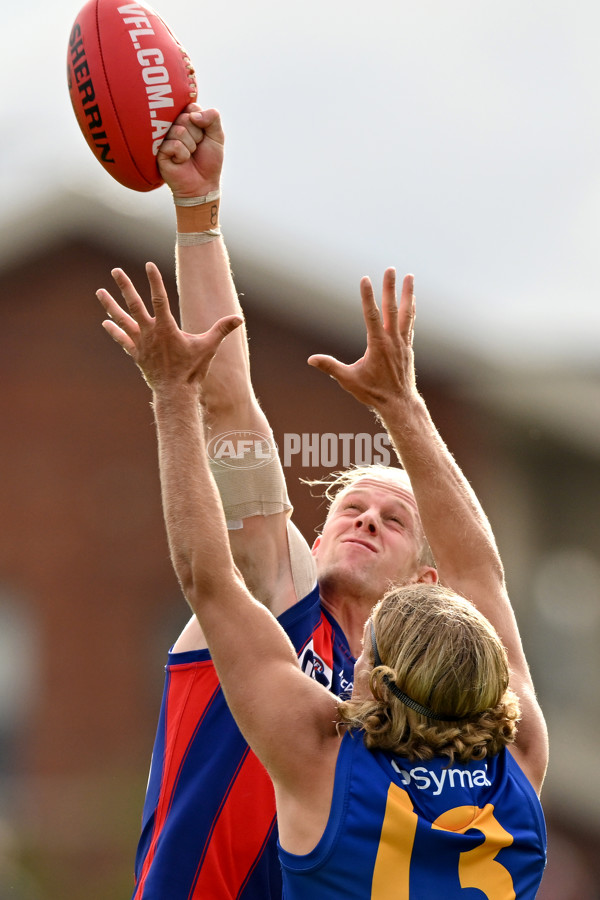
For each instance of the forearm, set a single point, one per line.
(456, 527)
(207, 291)
(205, 282)
(454, 522)
(194, 519)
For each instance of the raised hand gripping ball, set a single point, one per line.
(129, 78)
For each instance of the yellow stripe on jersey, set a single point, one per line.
(392, 866)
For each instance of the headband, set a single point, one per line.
(404, 698)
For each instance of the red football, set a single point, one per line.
(129, 78)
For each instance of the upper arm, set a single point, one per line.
(274, 559)
(266, 691)
(489, 595)
(276, 564)
(261, 553)
(531, 744)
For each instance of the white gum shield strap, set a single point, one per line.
(250, 487)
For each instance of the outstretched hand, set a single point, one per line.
(167, 356)
(386, 371)
(190, 158)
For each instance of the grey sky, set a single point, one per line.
(460, 141)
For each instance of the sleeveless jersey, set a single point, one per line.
(208, 827)
(401, 830)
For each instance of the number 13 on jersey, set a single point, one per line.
(410, 844)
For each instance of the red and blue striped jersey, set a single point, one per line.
(209, 828)
(401, 830)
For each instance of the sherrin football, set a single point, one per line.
(129, 78)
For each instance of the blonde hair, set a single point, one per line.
(444, 654)
(337, 482)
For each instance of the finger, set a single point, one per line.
(135, 304)
(209, 120)
(158, 293)
(116, 312)
(121, 338)
(328, 364)
(220, 330)
(181, 140)
(184, 118)
(406, 310)
(211, 340)
(389, 305)
(174, 150)
(370, 310)
(192, 108)
(111, 307)
(185, 133)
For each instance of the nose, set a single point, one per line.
(367, 522)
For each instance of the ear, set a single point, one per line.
(315, 545)
(427, 575)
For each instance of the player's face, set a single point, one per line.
(372, 537)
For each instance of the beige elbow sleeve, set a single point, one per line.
(249, 486)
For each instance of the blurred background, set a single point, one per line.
(460, 142)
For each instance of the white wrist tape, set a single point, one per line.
(191, 238)
(197, 201)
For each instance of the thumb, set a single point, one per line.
(207, 344)
(222, 328)
(328, 364)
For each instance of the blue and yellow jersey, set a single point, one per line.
(209, 828)
(401, 830)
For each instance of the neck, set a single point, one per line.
(350, 612)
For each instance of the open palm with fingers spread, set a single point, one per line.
(167, 356)
(386, 371)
